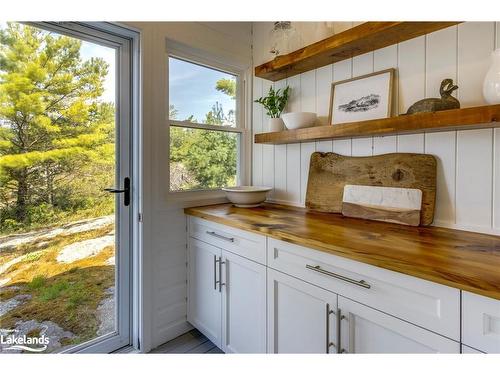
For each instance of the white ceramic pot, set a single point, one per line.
(247, 196)
(276, 124)
(298, 120)
(491, 85)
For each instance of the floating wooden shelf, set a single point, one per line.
(364, 38)
(466, 118)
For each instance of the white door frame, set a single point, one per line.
(128, 259)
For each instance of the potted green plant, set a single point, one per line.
(275, 103)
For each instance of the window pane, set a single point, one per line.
(202, 159)
(200, 94)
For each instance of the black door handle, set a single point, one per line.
(126, 190)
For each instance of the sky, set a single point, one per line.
(89, 50)
(192, 90)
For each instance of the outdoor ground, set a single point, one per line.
(59, 282)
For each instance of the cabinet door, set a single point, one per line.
(204, 296)
(468, 350)
(243, 305)
(301, 317)
(481, 322)
(365, 330)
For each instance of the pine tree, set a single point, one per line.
(52, 123)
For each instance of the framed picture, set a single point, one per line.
(367, 97)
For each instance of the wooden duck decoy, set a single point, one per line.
(435, 104)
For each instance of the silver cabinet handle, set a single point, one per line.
(220, 274)
(328, 343)
(220, 236)
(215, 272)
(361, 283)
(339, 331)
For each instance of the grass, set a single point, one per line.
(34, 256)
(66, 294)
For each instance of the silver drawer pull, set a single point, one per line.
(229, 239)
(361, 283)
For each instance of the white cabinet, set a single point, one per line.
(204, 298)
(252, 294)
(301, 317)
(469, 350)
(481, 322)
(227, 298)
(426, 304)
(243, 305)
(366, 330)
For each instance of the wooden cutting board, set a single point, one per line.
(382, 203)
(330, 172)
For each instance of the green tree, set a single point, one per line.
(53, 128)
(209, 156)
(227, 86)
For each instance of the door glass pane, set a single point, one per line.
(57, 225)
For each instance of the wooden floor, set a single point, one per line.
(192, 342)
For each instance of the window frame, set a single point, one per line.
(203, 58)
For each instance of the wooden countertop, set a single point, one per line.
(464, 260)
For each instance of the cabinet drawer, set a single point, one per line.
(427, 304)
(249, 245)
(481, 322)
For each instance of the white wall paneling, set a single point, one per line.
(267, 150)
(257, 127)
(468, 182)
(293, 169)
(476, 40)
(384, 145)
(442, 146)
(361, 65)
(496, 179)
(474, 178)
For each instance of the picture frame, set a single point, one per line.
(363, 98)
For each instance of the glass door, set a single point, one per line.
(65, 190)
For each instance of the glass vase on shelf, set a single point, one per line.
(491, 85)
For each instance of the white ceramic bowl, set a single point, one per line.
(247, 196)
(298, 120)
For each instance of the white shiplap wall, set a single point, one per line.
(468, 192)
(164, 256)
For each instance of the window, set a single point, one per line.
(205, 131)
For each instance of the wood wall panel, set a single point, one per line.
(306, 149)
(474, 178)
(267, 150)
(496, 160)
(467, 160)
(384, 145)
(279, 192)
(323, 89)
(442, 146)
(343, 147)
(475, 43)
(293, 173)
(496, 179)
(362, 64)
(257, 128)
